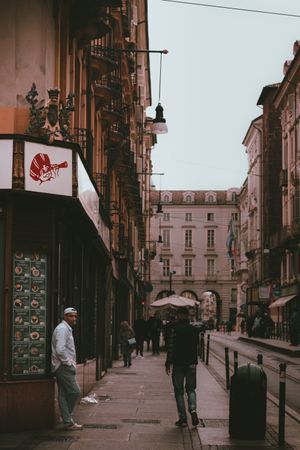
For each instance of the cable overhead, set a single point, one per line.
(257, 11)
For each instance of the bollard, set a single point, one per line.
(281, 424)
(207, 349)
(227, 368)
(235, 361)
(202, 346)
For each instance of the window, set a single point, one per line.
(188, 199)
(235, 216)
(188, 217)
(210, 238)
(166, 238)
(210, 199)
(188, 267)
(166, 198)
(210, 267)
(232, 267)
(210, 217)
(234, 295)
(166, 217)
(166, 267)
(188, 239)
(233, 197)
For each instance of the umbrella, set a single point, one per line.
(174, 301)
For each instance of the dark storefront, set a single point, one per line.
(54, 252)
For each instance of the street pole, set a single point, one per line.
(172, 272)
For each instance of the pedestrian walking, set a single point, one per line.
(126, 332)
(140, 328)
(182, 356)
(63, 362)
(155, 327)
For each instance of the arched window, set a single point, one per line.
(189, 294)
(166, 198)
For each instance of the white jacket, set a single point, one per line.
(63, 347)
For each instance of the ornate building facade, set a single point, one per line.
(74, 189)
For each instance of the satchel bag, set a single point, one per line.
(131, 342)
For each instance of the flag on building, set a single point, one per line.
(230, 241)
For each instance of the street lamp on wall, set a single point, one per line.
(158, 125)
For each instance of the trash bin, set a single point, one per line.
(248, 403)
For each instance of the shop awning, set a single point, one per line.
(282, 301)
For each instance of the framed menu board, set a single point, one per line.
(29, 313)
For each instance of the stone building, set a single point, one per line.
(74, 189)
(197, 256)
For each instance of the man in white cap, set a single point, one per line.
(63, 362)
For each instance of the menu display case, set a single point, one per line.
(29, 314)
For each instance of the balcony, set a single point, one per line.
(103, 60)
(84, 138)
(101, 180)
(107, 89)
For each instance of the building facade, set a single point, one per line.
(74, 189)
(197, 257)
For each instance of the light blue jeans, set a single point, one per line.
(68, 391)
(187, 374)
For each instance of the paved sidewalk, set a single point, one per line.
(136, 410)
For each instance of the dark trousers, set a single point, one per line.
(155, 343)
(139, 345)
(184, 377)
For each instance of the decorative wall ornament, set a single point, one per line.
(51, 119)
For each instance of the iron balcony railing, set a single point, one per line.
(84, 138)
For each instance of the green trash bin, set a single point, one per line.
(248, 403)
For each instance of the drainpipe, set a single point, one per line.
(261, 202)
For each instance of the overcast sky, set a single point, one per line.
(218, 63)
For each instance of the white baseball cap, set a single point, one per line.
(70, 310)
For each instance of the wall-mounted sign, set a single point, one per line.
(48, 169)
(87, 194)
(29, 301)
(89, 199)
(6, 154)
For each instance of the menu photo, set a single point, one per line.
(37, 317)
(21, 317)
(22, 268)
(21, 333)
(21, 301)
(37, 285)
(21, 350)
(20, 366)
(37, 333)
(21, 284)
(37, 301)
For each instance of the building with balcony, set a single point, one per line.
(197, 256)
(74, 189)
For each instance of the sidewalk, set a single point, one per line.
(136, 410)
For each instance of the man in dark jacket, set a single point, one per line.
(182, 355)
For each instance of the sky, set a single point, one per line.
(218, 63)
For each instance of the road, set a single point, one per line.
(271, 360)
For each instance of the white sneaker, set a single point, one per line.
(74, 427)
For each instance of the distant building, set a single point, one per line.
(198, 254)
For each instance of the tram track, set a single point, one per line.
(270, 396)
